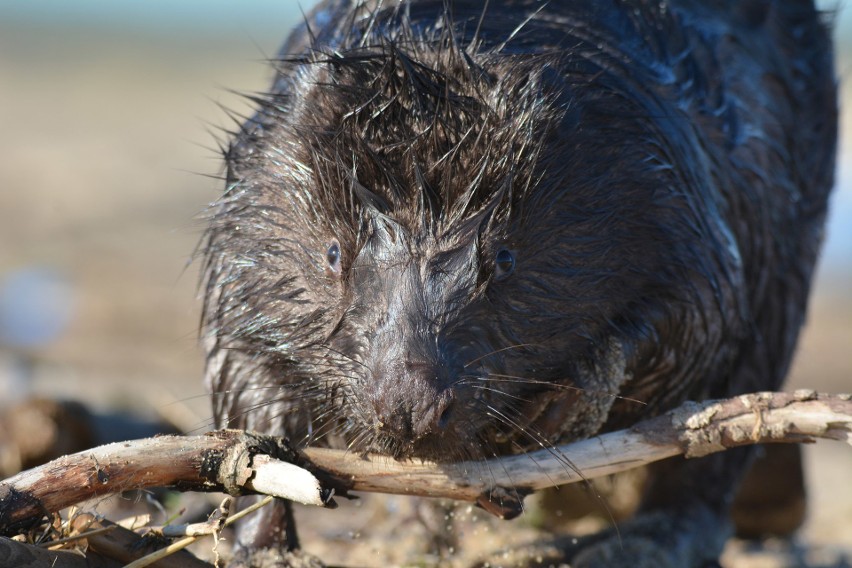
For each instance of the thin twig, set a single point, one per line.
(67, 539)
(184, 542)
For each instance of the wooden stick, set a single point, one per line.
(694, 430)
(124, 545)
(498, 485)
(220, 461)
(179, 545)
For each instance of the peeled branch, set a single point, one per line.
(238, 462)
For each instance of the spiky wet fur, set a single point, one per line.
(662, 192)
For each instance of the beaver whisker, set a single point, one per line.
(496, 351)
(498, 377)
(537, 438)
(565, 461)
(499, 392)
(327, 426)
(245, 389)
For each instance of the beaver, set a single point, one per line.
(458, 230)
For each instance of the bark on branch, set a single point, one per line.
(693, 430)
(238, 462)
(219, 461)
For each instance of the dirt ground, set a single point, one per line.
(100, 131)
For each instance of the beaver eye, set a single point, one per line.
(332, 259)
(504, 263)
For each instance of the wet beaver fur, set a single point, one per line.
(456, 230)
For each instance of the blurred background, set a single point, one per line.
(106, 110)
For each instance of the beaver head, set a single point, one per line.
(434, 245)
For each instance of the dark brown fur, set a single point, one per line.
(454, 237)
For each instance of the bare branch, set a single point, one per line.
(219, 461)
(235, 462)
(694, 430)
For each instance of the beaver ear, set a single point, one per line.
(332, 260)
(504, 263)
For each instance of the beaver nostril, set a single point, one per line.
(446, 415)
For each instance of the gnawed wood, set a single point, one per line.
(694, 430)
(219, 461)
(225, 460)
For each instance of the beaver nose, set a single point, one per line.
(418, 405)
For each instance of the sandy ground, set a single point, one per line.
(98, 130)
